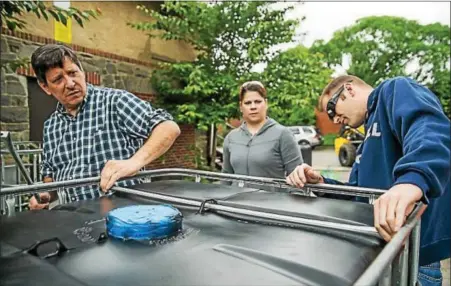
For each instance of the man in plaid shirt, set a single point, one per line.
(94, 130)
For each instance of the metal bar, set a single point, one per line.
(241, 180)
(2, 158)
(41, 187)
(17, 173)
(20, 203)
(349, 190)
(20, 152)
(344, 188)
(386, 277)
(280, 182)
(371, 231)
(277, 182)
(38, 171)
(10, 206)
(414, 254)
(404, 279)
(7, 138)
(373, 272)
(400, 267)
(35, 168)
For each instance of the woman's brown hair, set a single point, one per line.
(252, 86)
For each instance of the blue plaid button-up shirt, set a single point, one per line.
(111, 124)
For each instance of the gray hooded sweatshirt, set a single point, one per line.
(272, 152)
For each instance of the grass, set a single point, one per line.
(329, 139)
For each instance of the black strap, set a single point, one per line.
(202, 208)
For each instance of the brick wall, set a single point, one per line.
(324, 124)
(182, 153)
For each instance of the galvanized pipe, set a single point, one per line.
(2, 158)
(41, 187)
(404, 279)
(5, 136)
(35, 168)
(374, 271)
(386, 277)
(366, 230)
(23, 151)
(414, 254)
(400, 275)
(348, 190)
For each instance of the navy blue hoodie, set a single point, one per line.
(408, 141)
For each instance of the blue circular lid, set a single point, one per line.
(144, 222)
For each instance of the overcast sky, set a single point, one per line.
(324, 18)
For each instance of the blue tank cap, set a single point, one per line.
(144, 222)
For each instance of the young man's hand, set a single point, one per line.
(392, 208)
(304, 174)
(115, 170)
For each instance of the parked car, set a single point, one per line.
(307, 135)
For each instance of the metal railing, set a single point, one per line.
(20, 164)
(396, 264)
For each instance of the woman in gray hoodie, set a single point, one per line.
(260, 146)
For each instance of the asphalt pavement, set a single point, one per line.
(326, 162)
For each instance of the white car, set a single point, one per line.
(306, 135)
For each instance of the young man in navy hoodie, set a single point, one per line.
(406, 151)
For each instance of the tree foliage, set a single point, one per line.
(12, 10)
(295, 79)
(229, 37)
(384, 47)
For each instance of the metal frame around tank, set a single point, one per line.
(8, 203)
(396, 264)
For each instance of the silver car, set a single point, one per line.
(307, 135)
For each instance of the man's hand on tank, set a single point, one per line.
(115, 170)
(392, 208)
(45, 199)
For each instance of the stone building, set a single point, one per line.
(112, 54)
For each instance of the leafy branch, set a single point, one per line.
(12, 10)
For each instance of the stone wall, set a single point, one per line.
(114, 73)
(101, 70)
(14, 114)
(131, 77)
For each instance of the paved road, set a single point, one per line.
(325, 157)
(326, 161)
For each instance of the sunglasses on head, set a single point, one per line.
(249, 83)
(332, 103)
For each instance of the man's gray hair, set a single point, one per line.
(51, 56)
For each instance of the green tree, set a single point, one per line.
(295, 79)
(229, 37)
(384, 47)
(11, 10)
